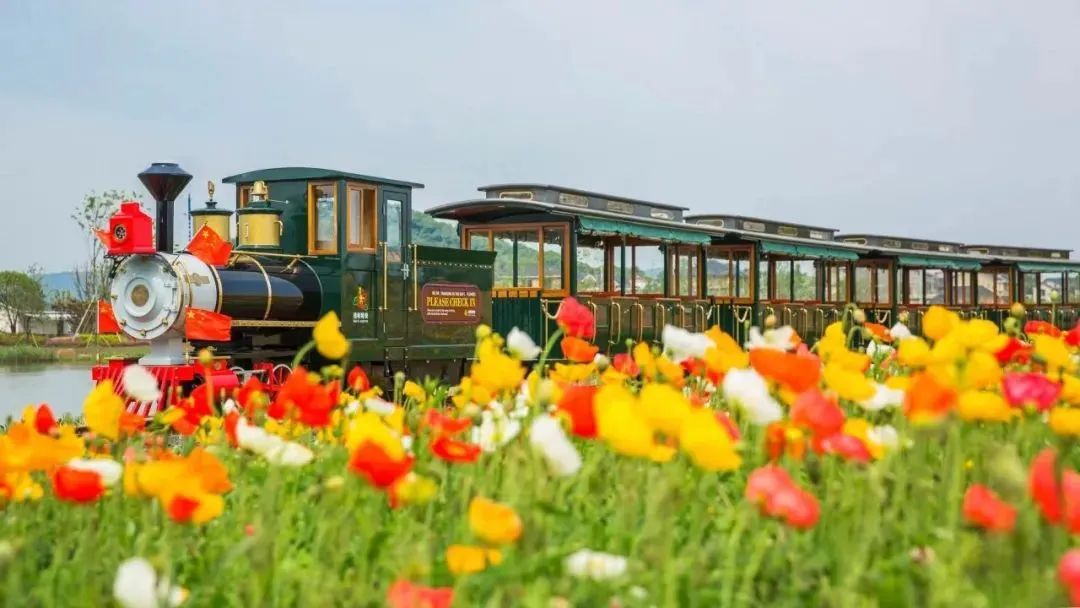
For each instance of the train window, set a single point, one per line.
(934, 283)
(719, 278)
(684, 263)
(322, 218)
(1051, 286)
(782, 273)
(478, 240)
(528, 259)
(647, 263)
(768, 281)
(361, 219)
(915, 293)
(393, 230)
(504, 259)
(871, 284)
(961, 288)
(864, 284)
(590, 264)
(554, 241)
(1030, 283)
(1072, 287)
(804, 280)
(621, 262)
(742, 274)
(881, 282)
(836, 282)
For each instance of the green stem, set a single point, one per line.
(300, 354)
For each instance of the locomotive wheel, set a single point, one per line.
(279, 374)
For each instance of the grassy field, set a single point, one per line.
(669, 461)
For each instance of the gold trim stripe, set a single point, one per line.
(263, 323)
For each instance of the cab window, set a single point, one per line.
(362, 224)
(322, 218)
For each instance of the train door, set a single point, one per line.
(393, 260)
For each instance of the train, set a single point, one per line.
(306, 241)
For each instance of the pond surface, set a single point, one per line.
(63, 387)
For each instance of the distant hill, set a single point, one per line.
(426, 230)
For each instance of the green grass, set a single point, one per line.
(25, 353)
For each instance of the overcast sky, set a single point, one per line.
(950, 120)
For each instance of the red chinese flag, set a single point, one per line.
(207, 325)
(106, 320)
(209, 247)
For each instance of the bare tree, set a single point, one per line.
(92, 275)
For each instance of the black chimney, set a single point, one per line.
(165, 181)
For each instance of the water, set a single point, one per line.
(63, 387)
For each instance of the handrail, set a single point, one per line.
(615, 307)
(682, 317)
(416, 280)
(805, 320)
(739, 322)
(663, 318)
(882, 316)
(820, 313)
(704, 317)
(592, 306)
(385, 278)
(641, 319)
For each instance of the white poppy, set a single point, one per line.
(595, 565)
(381, 407)
(107, 469)
(229, 406)
(137, 586)
(352, 407)
(884, 435)
(519, 343)
(875, 348)
(274, 449)
(683, 344)
(548, 438)
(899, 332)
(495, 430)
(882, 398)
(781, 338)
(748, 390)
(140, 384)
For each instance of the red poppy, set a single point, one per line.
(879, 331)
(779, 440)
(1059, 503)
(799, 508)
(452, 450)
(818, 413)
(252, 396)
(44, 421)
(315, 412)
(983, 508)
(764, 482)
(1069, 574)
(624, 362)
(576, 319)
(441, 423)
(577, 403)
(297, 388)
(358, 380)
(1014, 350)
(1072, 337)
(404, 594)
(1030, 388)
(74, 485)
(232, 419)
(1041, 327)
(371, 462)
(181, 509)
(846, 447)
(578, 350)
(927, 399)
(797, 372)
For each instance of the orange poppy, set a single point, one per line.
(371, 462)
(75, 485)
(577, 403)
(928, 400)
(452, 450)
(797, 372)
(577, 350)
(879, 331)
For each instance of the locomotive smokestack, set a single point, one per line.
(164, 181)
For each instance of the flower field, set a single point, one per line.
(873, 468)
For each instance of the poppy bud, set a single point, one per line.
(859, 316)
(1006, 472)
(770, 321)
(482, 331)
(206, 358)
(1017, 310)
(1012, 324)
(903, 317)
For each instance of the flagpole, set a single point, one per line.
(189, 225)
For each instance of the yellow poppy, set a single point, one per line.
(938, 322)
(1053, 352)
(468, 559)
(1065, 421)
(853, 386)
(913, 352)
(102, 409)
(983, 405)
(707, 443)
(494, 522)
(982, 370)
(329, 340)
(664, 407)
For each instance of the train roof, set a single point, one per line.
(1024, 252)
(756, 224)
(496, 189)
(298, 174)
